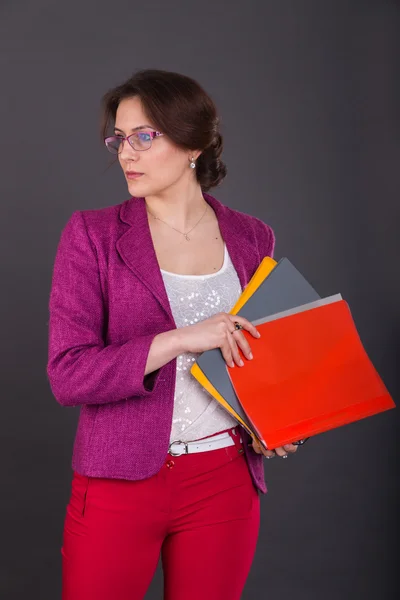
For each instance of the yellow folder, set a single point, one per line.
(263, 270)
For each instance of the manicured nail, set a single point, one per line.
(258, 334)
(250, 356)
(232, 364)
(241, 363)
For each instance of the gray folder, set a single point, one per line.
(299, 309)
(284, 289)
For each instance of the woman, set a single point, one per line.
(139, 290)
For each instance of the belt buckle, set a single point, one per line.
(185, 451)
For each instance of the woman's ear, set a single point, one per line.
(194, 154)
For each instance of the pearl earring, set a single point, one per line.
(192, 164)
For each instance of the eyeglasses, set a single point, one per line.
(140, 140)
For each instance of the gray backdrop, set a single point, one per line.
(308, 93)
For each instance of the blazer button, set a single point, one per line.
(170, 464)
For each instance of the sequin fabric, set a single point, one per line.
(194, 298)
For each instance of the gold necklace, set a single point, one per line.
(184, 234)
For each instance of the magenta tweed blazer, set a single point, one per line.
(107, 303)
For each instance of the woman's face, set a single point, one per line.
(162, 165)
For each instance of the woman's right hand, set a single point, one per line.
(219, 331)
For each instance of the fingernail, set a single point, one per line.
(250, 356)
(241, 363)
(232, 364)
(258, 334)
(270, 456)
(284, 456)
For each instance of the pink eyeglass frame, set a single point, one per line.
(153, 135)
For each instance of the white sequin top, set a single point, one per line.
(194, 298)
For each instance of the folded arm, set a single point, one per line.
(81, 368)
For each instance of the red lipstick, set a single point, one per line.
(133, 174)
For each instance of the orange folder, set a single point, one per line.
(310, 373)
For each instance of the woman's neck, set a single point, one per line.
(178, 207)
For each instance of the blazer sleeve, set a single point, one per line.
(81, 369)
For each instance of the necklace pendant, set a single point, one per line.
(187, 237)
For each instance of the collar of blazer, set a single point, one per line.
(136, 249)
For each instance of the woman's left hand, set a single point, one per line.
(281, 451)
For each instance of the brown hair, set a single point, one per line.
(179, 107)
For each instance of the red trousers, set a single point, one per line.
(200, 512)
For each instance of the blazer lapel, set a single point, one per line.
(234, 235)
(136, 249)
